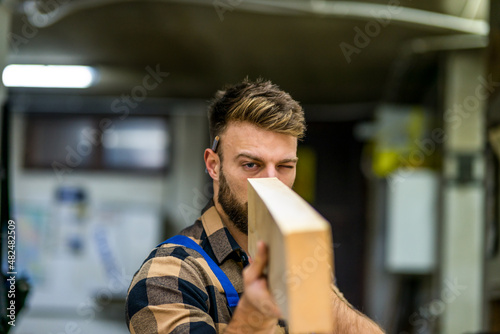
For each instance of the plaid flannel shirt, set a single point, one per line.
(175, 291)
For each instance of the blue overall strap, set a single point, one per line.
(231, 294)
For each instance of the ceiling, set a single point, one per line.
(206, 44)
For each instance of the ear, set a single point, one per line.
(212, 163)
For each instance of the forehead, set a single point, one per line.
(246, 137)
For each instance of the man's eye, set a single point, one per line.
(250, 165)
(287, 166)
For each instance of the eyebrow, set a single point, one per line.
(252, 157)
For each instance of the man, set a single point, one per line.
(255, 128)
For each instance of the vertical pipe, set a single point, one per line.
(466, 93)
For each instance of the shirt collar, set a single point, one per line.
(221, 241)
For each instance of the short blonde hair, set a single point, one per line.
(261, 103)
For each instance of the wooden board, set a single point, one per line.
(300, 270)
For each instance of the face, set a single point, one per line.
(251, 152)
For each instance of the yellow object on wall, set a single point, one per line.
(305, 181)
(399, 130)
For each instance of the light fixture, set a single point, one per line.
(49, 76)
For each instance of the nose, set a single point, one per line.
(269, 171)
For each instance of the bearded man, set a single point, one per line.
(207, 283)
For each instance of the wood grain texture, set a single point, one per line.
(300, 271)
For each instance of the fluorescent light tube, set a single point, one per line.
(48, 76)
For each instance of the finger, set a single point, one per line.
(264, 299)
(259, 263)
(262, 257)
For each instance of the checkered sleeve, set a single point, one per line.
(171, 293)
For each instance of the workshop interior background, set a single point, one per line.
(401, 154)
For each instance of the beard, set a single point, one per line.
(236, 211)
